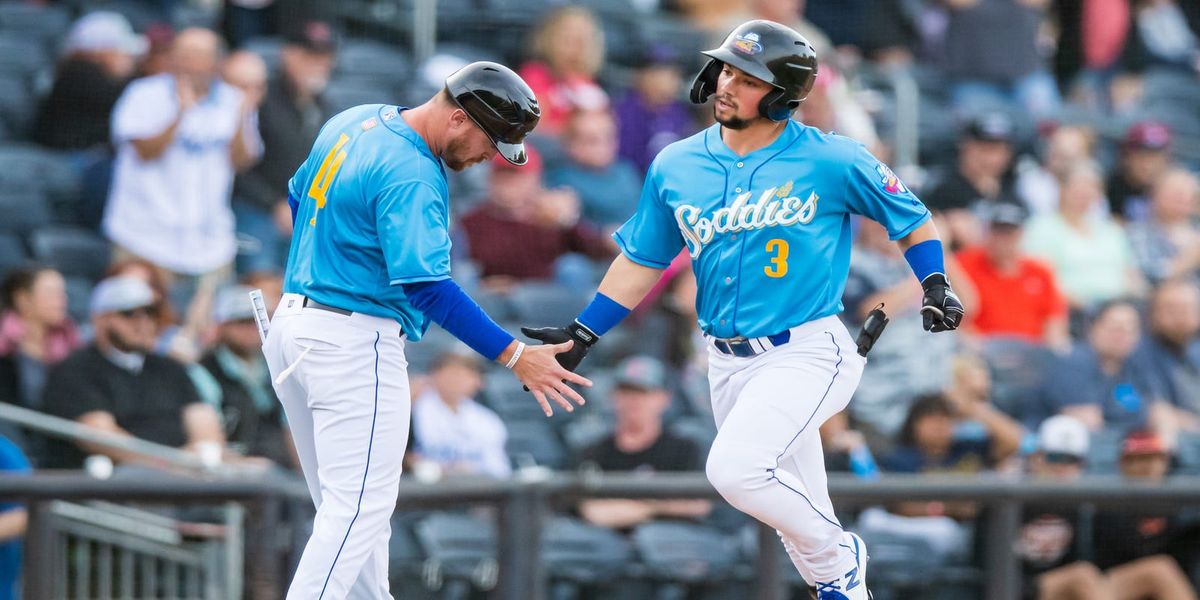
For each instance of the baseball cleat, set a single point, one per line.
(852, 585)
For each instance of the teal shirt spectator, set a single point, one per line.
(609, 196)
(12, 460)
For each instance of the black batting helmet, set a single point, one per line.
(499, 102)
(771, 52)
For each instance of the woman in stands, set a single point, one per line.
(568, 51)
(35, 332)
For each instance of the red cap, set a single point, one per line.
(1140, 443)
(1147, 135)
(533, 163)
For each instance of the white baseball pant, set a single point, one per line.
(767, 460)
(347, 404)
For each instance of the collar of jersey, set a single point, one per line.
(716, 145)
(401, 128)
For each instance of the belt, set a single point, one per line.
(310, 303)
(744, 346)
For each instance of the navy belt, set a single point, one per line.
(310, 303)
(744, 347)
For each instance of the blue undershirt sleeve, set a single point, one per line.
(449, 306)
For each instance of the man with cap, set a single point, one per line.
(1018, 295)
(118, 385)
(553, 233)
(981, 176)
(288, 121)
(368, 271)
(1145, 157)
(233, 378)
(641, 444)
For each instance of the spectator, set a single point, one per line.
(99, 58)
(1144, 159)
(932, 438)
(1018, 296)
(452, 433)
(1038, 185)
(651, 114)
(180, 338)
(117, 386)
(1166, 244)
(1133, 547)
(568, 51)
(608, 186)
(981, 177)
(1170, 353)
(994, 55)
(905, 362)
(13, 519)
(1098, 383)
(233, 378)
(546, 222)
(179, 137)
(291, 115)
(1091, 257)
(640, 444)
(35, 331)
(1161, 37)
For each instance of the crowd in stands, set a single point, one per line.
(1060, 145)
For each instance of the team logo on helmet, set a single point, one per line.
(747, 44)
(891, 183)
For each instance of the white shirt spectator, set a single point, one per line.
(174, 210)
(469, 440)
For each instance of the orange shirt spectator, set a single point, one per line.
(568, 51)
(1018, 295)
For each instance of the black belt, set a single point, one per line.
(310, 303)
(745, 347)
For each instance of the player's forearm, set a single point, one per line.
(927, 231)
(628, 282)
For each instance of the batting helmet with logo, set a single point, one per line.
(499, 102)
(771, 52)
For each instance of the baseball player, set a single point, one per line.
(368, 269)
(763, 204)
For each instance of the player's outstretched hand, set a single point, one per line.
(582, 337)
(941, 310)
(540, 371)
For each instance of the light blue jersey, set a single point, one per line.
(769, 232)
(373, 214)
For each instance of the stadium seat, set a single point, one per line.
(72, 250)
(79, 294)
(422, 354)
(370, 59)
(1104, 451)
(27, 166)
(699, 429)
(269, 48)
(44, 22)
(350, 93)
(582, 433)
(533, 443)
(1017, 367)
(24, 211)
(1187, 454)
(576, 553)
(16, 106)
(461, 549)
(21, 55)
(12, 253)
(546, 304)
(684, 553)
(909, 567)
(504, 394)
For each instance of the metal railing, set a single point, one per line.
(525, 506)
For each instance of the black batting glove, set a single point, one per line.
(582, 336)
(941, 310)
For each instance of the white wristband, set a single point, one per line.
(512, 362)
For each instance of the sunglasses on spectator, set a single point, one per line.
(143, 311)
(1061, 458)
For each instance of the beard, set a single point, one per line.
(455, 156)
(733, 122)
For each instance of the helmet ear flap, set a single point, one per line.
(705, 84)
(774, 107)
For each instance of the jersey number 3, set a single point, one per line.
(778, 266)
(329, 168)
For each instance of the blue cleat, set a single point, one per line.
(852, 585)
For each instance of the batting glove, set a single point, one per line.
(582, 336)
(941, 310)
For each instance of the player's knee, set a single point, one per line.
(733, 468)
